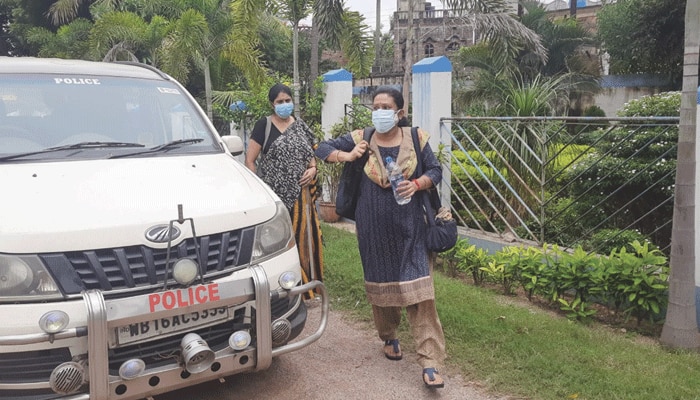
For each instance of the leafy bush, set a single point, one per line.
(466, 258)
(666, 104)
(631, 172)
(606, 240)
(638, 281)
(593, 111)
(633, 278)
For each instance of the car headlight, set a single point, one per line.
(25, 278)
(274, 235)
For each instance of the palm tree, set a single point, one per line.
(204, 35)
(64, 11)
(339, 27)
(495, 24)
(680, 329)
(182, 36)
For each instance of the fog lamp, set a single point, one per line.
(53, 321)
(196, 354)
(239, 340)
(287, 280)
(185, 271)
(131, 369)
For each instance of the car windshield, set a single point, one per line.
(44, 117)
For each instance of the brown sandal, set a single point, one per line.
(432, 378)
(392, 350)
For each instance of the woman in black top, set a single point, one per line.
(284, 159)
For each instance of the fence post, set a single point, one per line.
(432, 100)
(337, 91)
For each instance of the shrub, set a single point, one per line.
(593, 111)
(627, 182)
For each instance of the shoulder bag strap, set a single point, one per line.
(267, 132)
(430, 198)
(367, 135)
(424, 196)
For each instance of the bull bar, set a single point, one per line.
(103, 316)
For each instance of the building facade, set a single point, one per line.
(436, 32)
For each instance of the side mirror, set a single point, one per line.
(234, 144)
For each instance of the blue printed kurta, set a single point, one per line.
(391, 237)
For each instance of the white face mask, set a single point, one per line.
(384, 120)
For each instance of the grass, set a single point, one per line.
(522, 351)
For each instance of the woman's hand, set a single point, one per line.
(308, 176)
(359, 150)
(407, 189)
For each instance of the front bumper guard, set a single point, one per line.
(103, 318)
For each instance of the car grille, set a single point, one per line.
(158, 352)
(136, 267)
(31, 366)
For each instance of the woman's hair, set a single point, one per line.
(398, 99)
(390, 91)
(276, 89)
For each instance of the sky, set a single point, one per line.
(368, 8)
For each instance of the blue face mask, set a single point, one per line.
(284, 110)
(384, 120)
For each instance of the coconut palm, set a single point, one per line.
(680, 328)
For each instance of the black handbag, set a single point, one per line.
(349, 184)
(441, 233)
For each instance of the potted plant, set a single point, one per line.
(328, 180)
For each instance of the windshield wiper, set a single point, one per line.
(81, 145)
(162, 148)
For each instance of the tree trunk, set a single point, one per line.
(315, 37)
(680, 329)
(377, 37)
(295, 60)
(408, 62)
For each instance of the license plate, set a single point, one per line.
(144, 330)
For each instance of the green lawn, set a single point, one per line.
(523, 351)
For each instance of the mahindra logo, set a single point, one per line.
(162, 233)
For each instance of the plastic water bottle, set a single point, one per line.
(396, 177)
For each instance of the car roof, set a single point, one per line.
(35, 65)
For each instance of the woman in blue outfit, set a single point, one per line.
(391, 237)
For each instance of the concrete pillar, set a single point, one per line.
(337, 93)
(432, 100)
(240, 129)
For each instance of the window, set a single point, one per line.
(429, 50)
(452, 47)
